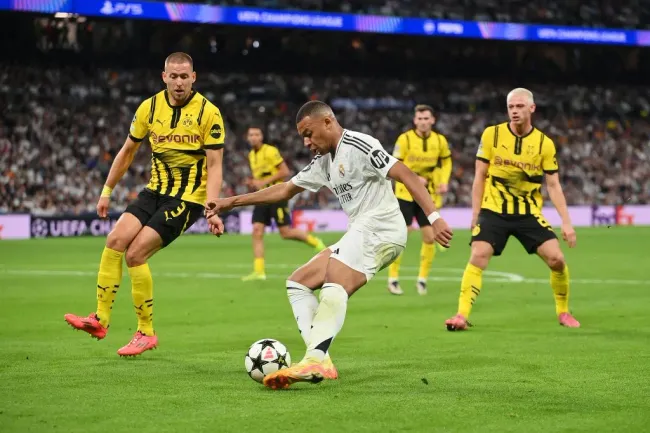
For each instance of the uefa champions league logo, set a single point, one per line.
(39, 228)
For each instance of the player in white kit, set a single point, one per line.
(357, 169)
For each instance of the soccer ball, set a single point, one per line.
(265, 357)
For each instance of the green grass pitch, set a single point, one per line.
(517, 370)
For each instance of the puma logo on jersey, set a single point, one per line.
(160, 121)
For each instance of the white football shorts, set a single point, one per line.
(367, 251)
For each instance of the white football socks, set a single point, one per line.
(328, 320)
(304, 305)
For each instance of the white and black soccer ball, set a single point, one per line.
(264, 357)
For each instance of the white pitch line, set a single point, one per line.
(210, 275)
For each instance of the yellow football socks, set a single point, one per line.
(258, 265)
(109, 278)
(560, 285)
(312, 241)
(142, 292)
(393, 269)
(470, 287)
(427, 254)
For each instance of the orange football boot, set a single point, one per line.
(139, 343)
(88, 324)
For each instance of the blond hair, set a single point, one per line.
(521, 91)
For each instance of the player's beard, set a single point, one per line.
(180, 97)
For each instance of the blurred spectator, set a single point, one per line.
(59, 134)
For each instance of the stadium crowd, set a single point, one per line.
(60, 133)
(583, 13)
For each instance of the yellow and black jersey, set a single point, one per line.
(179, 137)
(517, 166)
(265, 162)
(428, 157)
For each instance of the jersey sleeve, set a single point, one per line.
(484, 152)
(442, 175)
(549, 157)
(274, 157)
(377, 162)
(444, 147)
(140, 123)
(312, 177)
(212, 129)
(401, 147)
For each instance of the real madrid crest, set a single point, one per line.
(341, 170)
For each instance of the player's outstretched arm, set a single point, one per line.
(478, 187)
(411, 181)
(273, 194)
(120, 165)
(556, 195)
(215, 173)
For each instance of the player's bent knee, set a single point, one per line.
(481, 254)
(427, 235)
(312, 273)
(117, 241)
(556, 262)
(308, 276)
(134, 257)
(334, 295)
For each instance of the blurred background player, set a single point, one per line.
(186, 134)
(425, 152)
(268, 168)
(513, 160)
(358, 170)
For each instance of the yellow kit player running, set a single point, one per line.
(268, 168)
(426, 153)
(186, 134)
(513, 160)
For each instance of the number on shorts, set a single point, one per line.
(542, 222)
(280, 215)
(179, 210)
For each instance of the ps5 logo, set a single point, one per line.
(121, 8)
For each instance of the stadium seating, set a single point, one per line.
(59, 136)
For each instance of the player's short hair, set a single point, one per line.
(312, 108)
(179, 57)
(259, 127)
(521, 91)
(423, 107)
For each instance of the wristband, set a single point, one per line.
(106, 191)
(433, 217)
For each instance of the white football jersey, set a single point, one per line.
(357, 175)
